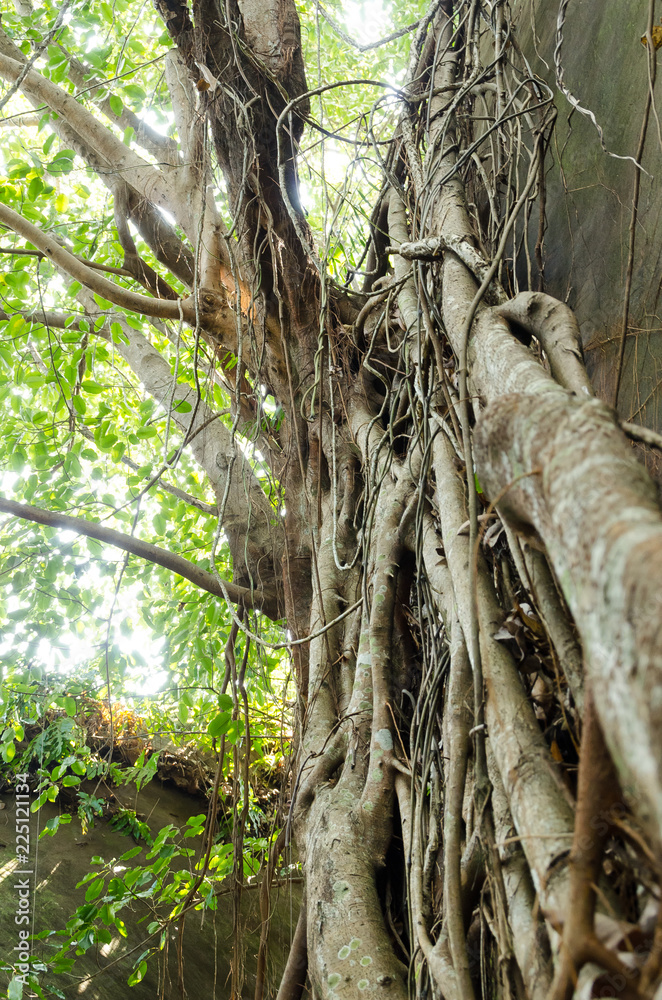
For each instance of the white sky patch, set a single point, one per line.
(335, 165)
(367, 22)
(166, 215)
(156, 121)
(148, 682)
(74, 645)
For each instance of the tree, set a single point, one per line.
(410, 471)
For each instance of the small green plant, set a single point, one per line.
(89, 807)
(127, 822)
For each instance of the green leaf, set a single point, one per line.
(70, 706)
(138, 974)
(134, 91)
(39, 801)
(94, 890)
(116, 105)
(35, 187)
(106, 441)
(117, 334)
(17, 279)
(62, 164)
(220, 724)
(52, 825)
(15, 989)
(91, 387)
(131, 854)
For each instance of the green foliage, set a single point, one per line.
(79, 433)
(167, 877)
(340, 177)
(165, 867)
(126, 821)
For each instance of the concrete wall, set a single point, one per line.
(63, 860)
(590, 194)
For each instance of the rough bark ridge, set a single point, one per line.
(466, 527)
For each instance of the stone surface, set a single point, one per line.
(63, 860)
(589, 194)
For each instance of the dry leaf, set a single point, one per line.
(656, 34)
(526, 614)
(207, 79)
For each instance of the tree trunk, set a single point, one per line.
(460, 524)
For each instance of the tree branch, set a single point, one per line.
(250, 523)
(122, 272)
(159, 146)
(433, 248)
(644, 434)
(45, 318)
(214, 314)
(133, 168)
(151, 224)
(139, 269)
(554, 326)
(152, 553)
(143, 176)
(123, 297)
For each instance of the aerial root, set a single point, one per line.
(598, 801)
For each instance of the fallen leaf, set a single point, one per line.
(656, 35)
